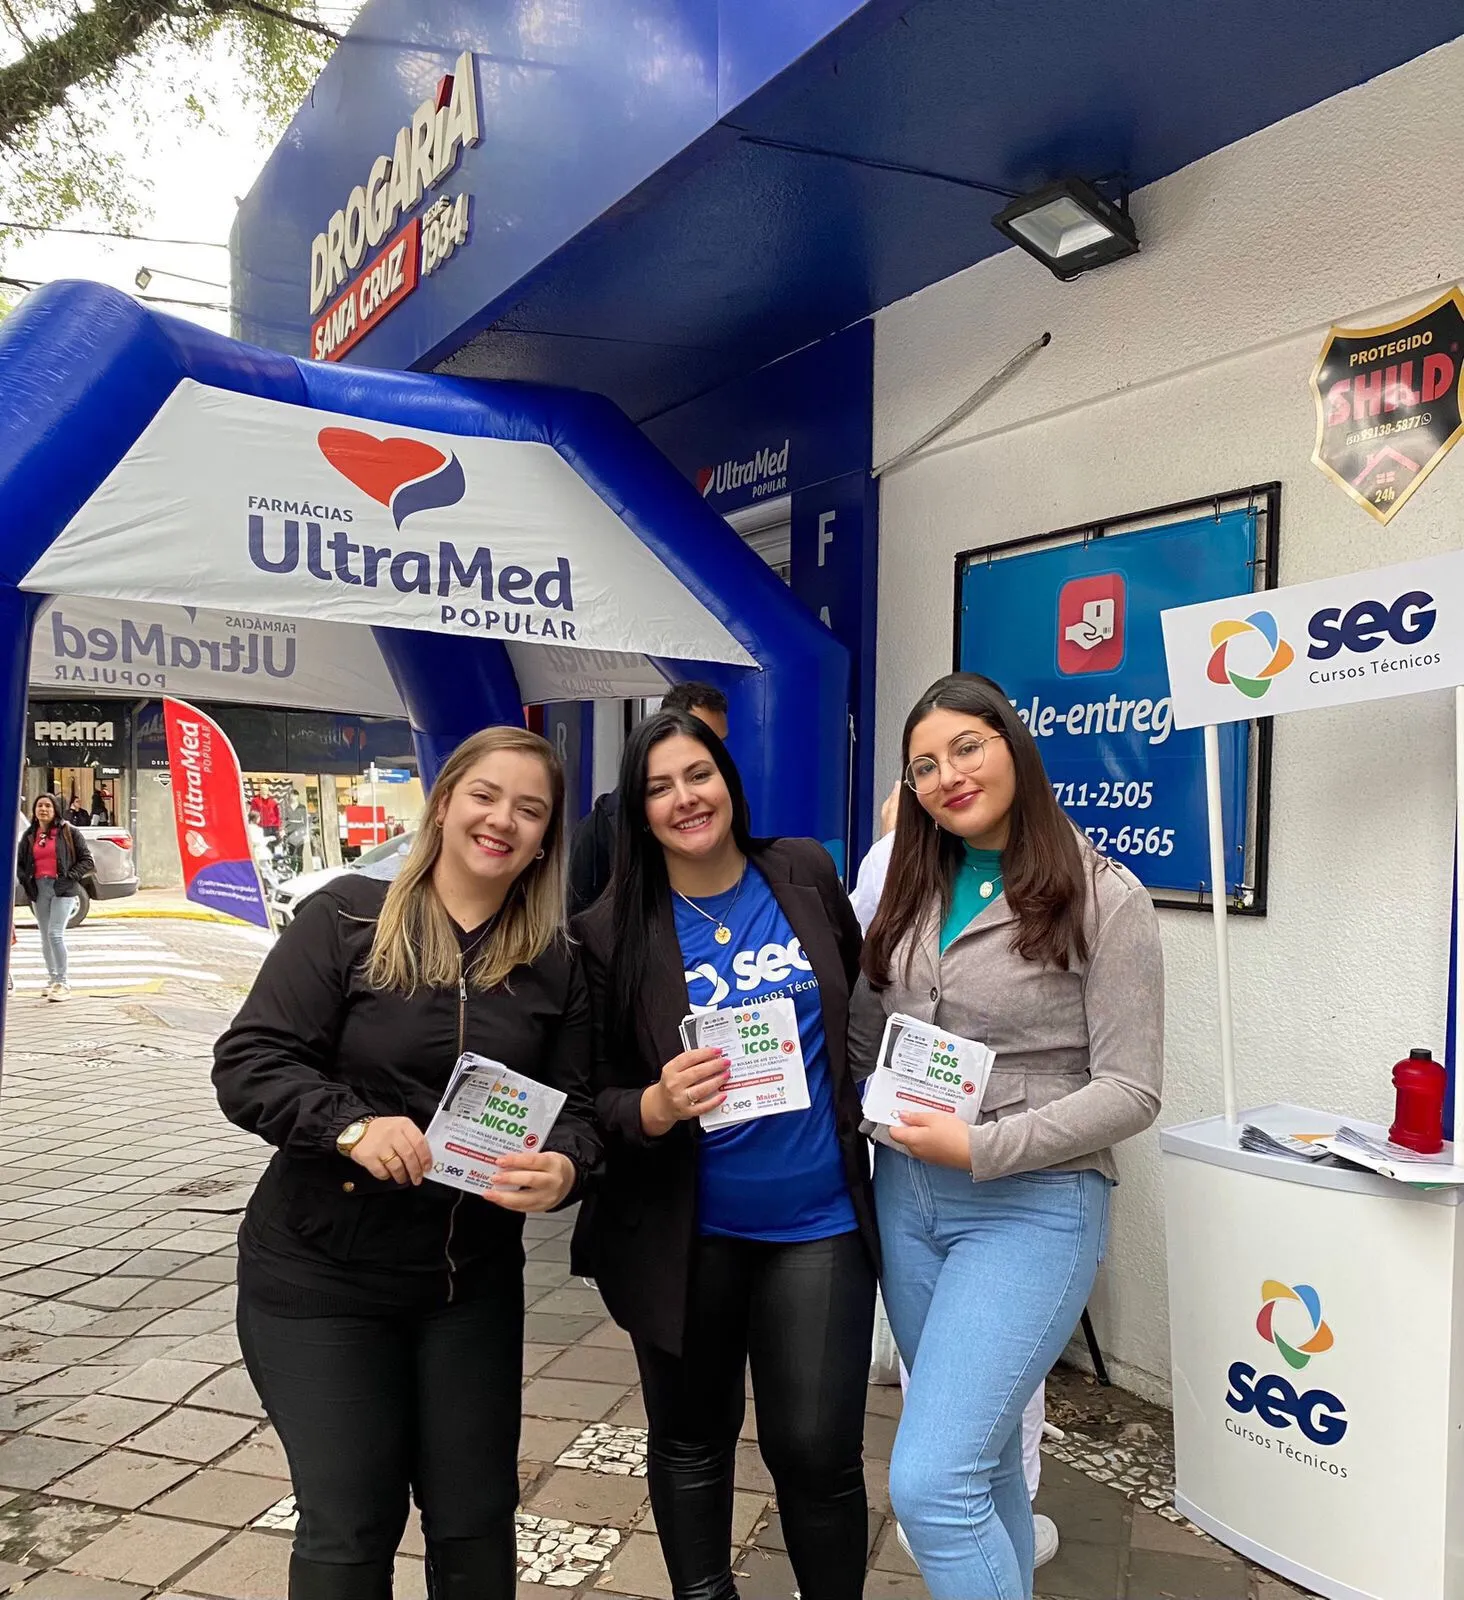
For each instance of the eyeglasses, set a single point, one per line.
(923, 773)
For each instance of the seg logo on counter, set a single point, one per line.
(1303, 1333)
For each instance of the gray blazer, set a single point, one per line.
(1079, 1054)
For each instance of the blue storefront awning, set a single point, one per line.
(668, 193)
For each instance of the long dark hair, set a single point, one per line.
(639, 885)
(1041, 866)
(58, 816)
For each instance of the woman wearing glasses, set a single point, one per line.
(1001, 924)
(751, 1242)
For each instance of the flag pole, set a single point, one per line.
(1216, 819)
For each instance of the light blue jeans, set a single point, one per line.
(984, 1284)
(52, 913)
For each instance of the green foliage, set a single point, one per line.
(71, 79)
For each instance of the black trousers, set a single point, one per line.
(375, 1410)
(803, 1315)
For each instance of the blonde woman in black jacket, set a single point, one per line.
(381, 1316)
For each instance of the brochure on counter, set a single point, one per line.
(924, 1068)
(1378, 1153)
(488, 1111)
(764, 1054)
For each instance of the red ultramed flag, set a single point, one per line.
(208, 808)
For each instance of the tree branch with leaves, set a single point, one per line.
(67, 74)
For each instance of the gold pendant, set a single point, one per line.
(723, 935)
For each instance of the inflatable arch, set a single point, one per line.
(486, 532)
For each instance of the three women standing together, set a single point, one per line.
(381, 1317)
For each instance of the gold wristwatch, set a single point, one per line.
(349, 1137)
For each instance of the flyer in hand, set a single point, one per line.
(764, 1054)
(487, 1112)
(925, 1068)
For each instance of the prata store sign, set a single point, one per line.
(426, 151)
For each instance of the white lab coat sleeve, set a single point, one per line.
(869, 884)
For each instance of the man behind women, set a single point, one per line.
(715, 1246)
(590, 858)
(381, 1316)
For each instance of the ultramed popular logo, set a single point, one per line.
(1249, 654)
(404, 475)
(1320, 1337)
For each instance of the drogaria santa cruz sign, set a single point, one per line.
(426, 151)
(287, 511)
(1368, 636)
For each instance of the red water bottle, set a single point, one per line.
(1419, 1124)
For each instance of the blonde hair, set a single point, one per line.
(415, 944)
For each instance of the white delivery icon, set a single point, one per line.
(1094, 627)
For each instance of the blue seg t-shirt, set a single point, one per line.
(778, 1178)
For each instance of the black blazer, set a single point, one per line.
(636, 1228)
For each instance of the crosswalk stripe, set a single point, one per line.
(77, 969)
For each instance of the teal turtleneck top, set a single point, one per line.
(977, 884)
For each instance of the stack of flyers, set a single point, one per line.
(487, 1112)
(764, 1055)
(925, 1068)
(1378, 1153)
(1263, 1143)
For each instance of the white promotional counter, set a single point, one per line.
(1317, 1311)
(1344, 1474)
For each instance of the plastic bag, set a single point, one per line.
(884, 1360)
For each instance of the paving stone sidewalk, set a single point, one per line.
(134, 1458)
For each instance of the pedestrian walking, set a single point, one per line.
(999, 923)
(53, 861)
(753, 1242)
(381, 1315)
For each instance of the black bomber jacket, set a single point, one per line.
(315, 1047)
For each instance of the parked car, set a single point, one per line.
(111, 847)
(382, 860)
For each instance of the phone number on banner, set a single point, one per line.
(1112, 835)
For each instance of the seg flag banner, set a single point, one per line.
(1368, 636)
(208, 808)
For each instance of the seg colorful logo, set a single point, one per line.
(1254, 645)
(1318, 1413)
(1303, 1294)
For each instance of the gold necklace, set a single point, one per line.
(721, 933)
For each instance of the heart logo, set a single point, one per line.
(378, 467)
(704, 478)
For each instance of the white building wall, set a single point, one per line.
(1179, 374)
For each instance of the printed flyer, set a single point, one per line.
(924, 1068)
(487, 1112)
(762, 1048)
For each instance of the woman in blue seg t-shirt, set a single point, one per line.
(753, 1243)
